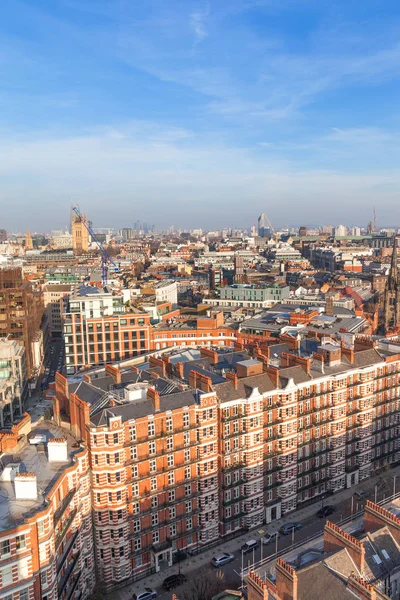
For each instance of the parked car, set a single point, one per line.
(148, 594)
(287, 528)
(268, 538)
(173, 581)
(249, 546)
(361, 494)
(325, 511)
(222, 559)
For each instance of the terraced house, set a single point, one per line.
(196, 445)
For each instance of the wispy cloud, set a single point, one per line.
(198, 23)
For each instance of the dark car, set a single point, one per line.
(289, 527)
(361, 494)
(173, 581)
(325, 511)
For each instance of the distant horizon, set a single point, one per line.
(205, 230)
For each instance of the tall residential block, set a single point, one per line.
(21, 315)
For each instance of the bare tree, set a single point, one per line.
(385, 481)
(204, 585)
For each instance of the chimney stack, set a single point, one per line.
(153, 395)
(286, 580)
(25, 486)
(57, 450)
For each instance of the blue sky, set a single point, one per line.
(199, 113)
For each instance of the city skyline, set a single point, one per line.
(188, 111)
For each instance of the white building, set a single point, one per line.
(61, 240)
(167, 291)
(340, 231)
(13, 381)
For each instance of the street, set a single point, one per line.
(195, 566)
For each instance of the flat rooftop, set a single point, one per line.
(32, 459)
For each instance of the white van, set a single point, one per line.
(249, 546)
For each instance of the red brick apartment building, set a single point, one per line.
(198, 445)
(46, 536)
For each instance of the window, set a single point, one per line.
(188, 505)
(169, 424)
(187, 472)
(154, 519)
(135, 489)
(189, 524)
(40, 527)
(116, 438)
(6, 575)
(186, 438)
(152, 465)
(135, 471)
(170, 443)
(187, 455)
(156, 537)
(172, 530)
(5, 548)
(24, 594)
(172, 513)
(188, 489)
(136, 508)
(132, 434)
(137, 544)
(20, 542)
(151, 429)
(154, 502)
(153, 484)
(152, 448)
(171, 496)
(170, 459)
(186, 419)
(171, 478)
(136, 526)
(121, 551)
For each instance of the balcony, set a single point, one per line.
(60, 536)
(66, 551)
(64, 580)
(64, 504)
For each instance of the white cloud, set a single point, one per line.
(167, 176)
(198, 23)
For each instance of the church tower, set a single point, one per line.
(391, 299)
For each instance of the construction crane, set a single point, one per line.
(105, 257)
(275, 236)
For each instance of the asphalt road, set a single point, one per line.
(310, 526)
(53, 362)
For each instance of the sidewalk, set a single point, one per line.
(204, 558)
